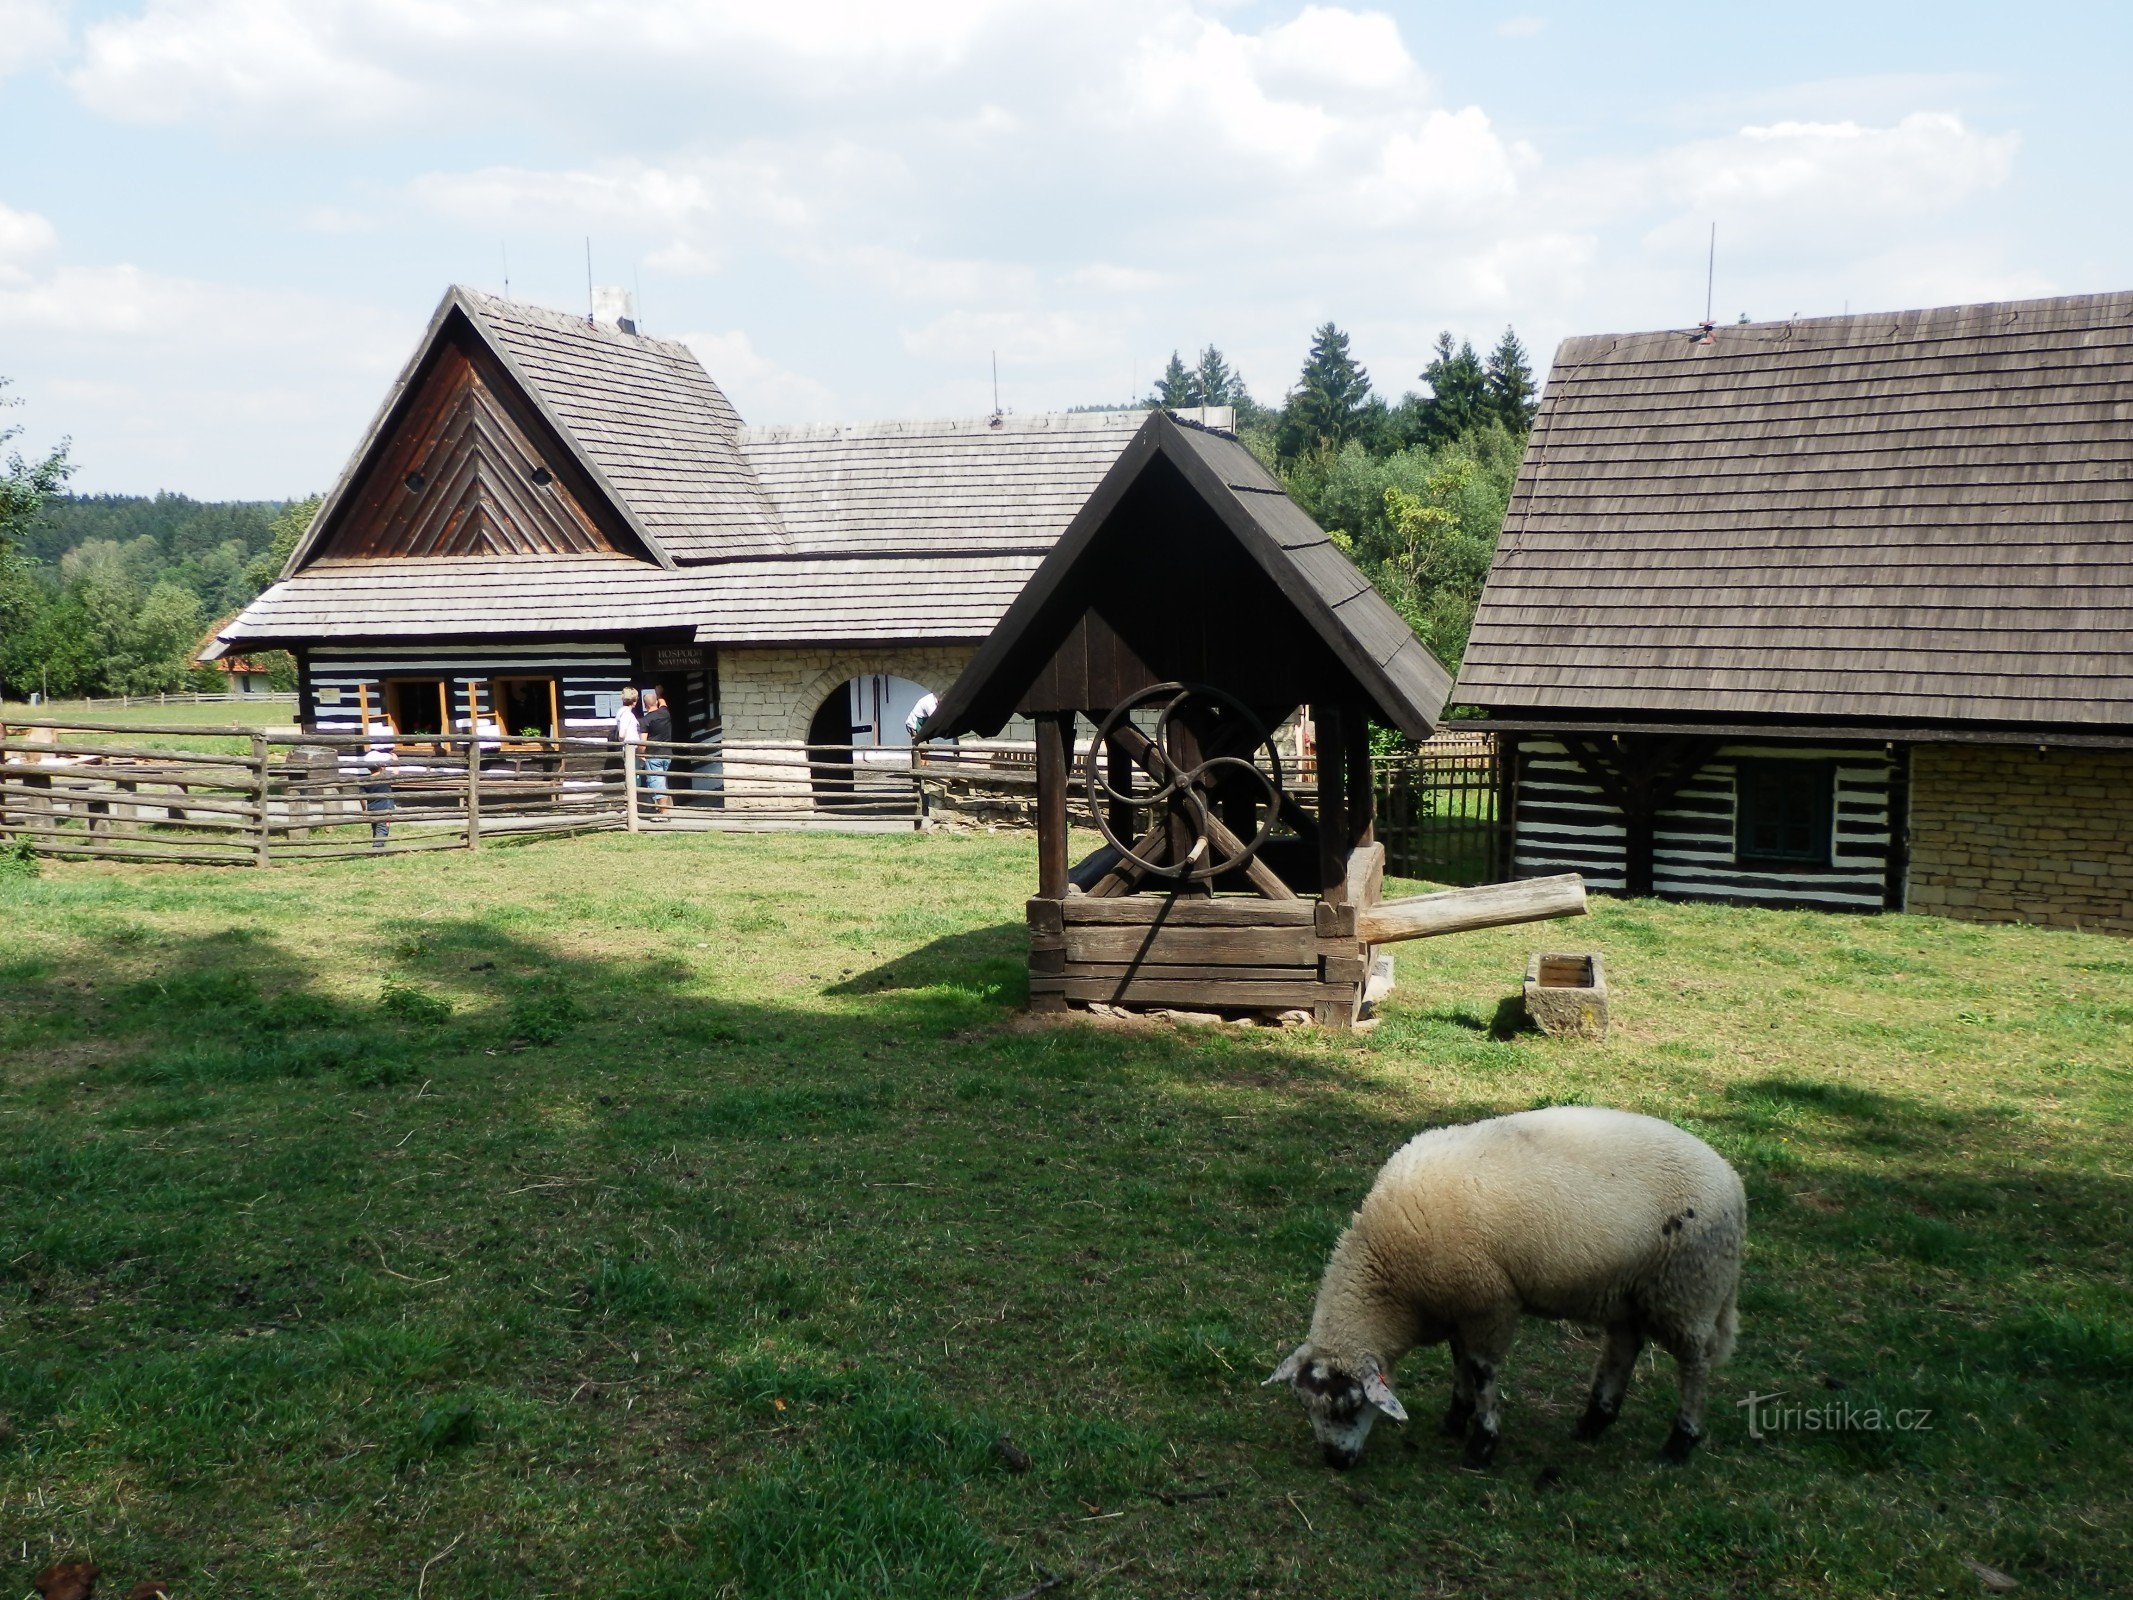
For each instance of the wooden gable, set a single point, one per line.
(468, 467)
(1190, 563)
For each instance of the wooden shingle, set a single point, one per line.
(1922, 516)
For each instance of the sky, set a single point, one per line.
(224, 223)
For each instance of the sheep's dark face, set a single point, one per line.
(1342, 1402)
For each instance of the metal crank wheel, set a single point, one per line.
(1203, 758)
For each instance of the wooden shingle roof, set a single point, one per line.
(662, 434)
(1009, 483)
(938, 597)
(1207, 493)
(1921, 517)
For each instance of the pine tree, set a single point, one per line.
(1331, 398)
(1178, 386)
(1459, 392)
(1216, 382)
(1510, 383)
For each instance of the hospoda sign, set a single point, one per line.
(678, 658)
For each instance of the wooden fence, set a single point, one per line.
(1439, 810)
(252, 797)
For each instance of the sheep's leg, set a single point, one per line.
(1610, 1378)
(1694, 1355)
(1694, 1370)
(1487, 1344)
(1461, 1411)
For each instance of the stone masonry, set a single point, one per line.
(2009, 833)
(769, 695)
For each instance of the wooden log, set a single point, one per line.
(1495, 905)
(1188, 972)
(1362, 885)
(1157, 942)
(1223, 912)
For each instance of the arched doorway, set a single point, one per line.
(860, 724)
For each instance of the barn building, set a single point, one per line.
(1834, 613)
(548, 507)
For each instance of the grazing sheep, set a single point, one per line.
(1604, 1218)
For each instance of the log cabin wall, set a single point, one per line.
(1564, 823)
(337, 680)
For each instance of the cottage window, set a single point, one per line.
(527, 707)
(1784, 813)
(416, 705)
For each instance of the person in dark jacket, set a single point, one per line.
(657, 731)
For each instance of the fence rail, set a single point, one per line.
(253, 797)
(43, 708)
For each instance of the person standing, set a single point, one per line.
(658, 740)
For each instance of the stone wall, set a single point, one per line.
(768, 696)
(2009, 833)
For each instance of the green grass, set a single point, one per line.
(688, 1216)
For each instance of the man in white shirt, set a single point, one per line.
(626, 719)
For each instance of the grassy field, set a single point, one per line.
(124, 719)
(691, 1216)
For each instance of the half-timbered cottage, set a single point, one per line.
(1833, 613)
(548, 507)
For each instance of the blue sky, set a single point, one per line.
(224, 222)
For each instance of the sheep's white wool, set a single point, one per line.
(1605, 1218)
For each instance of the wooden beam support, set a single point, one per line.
(1332, 803)
(1494, 905)
(1055, 732)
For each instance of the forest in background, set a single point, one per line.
(114, 594)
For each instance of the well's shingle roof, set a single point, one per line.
(649, 417)
(1378, 651)
(1922, 515)
(954, 485)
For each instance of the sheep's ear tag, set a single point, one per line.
(1379, 1393)
(1289, 1367)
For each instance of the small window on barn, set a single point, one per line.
(1784, 813)
(529, 708)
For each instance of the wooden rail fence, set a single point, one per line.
(254, 797)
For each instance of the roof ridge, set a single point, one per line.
(984, 426)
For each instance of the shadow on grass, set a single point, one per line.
(587, 1213)
(997, 956)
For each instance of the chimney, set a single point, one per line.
(615, 306)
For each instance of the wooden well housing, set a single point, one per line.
(1190, 575)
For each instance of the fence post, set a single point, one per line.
(473, 791)
(259, 760)
(629, 786)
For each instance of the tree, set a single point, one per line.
(1330, 403)
(1510, 383)
(283, 532)
(1177, 387)
(26, 485)
(1458, 392)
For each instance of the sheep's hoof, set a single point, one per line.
(1456, 1419)
(1480, 1448)
(1678, 1444)
(1594, 1422)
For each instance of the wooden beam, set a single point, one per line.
(1054, 733)
(1494, 905)
(1332, 803)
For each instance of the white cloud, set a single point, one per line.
(320, 65)
(1924, 163)
(1030, 338)
(760, 389)
(1520, 27)
(25, 238)
(32, 33)
(1104, 278)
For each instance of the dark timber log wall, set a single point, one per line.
(1566, 824)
